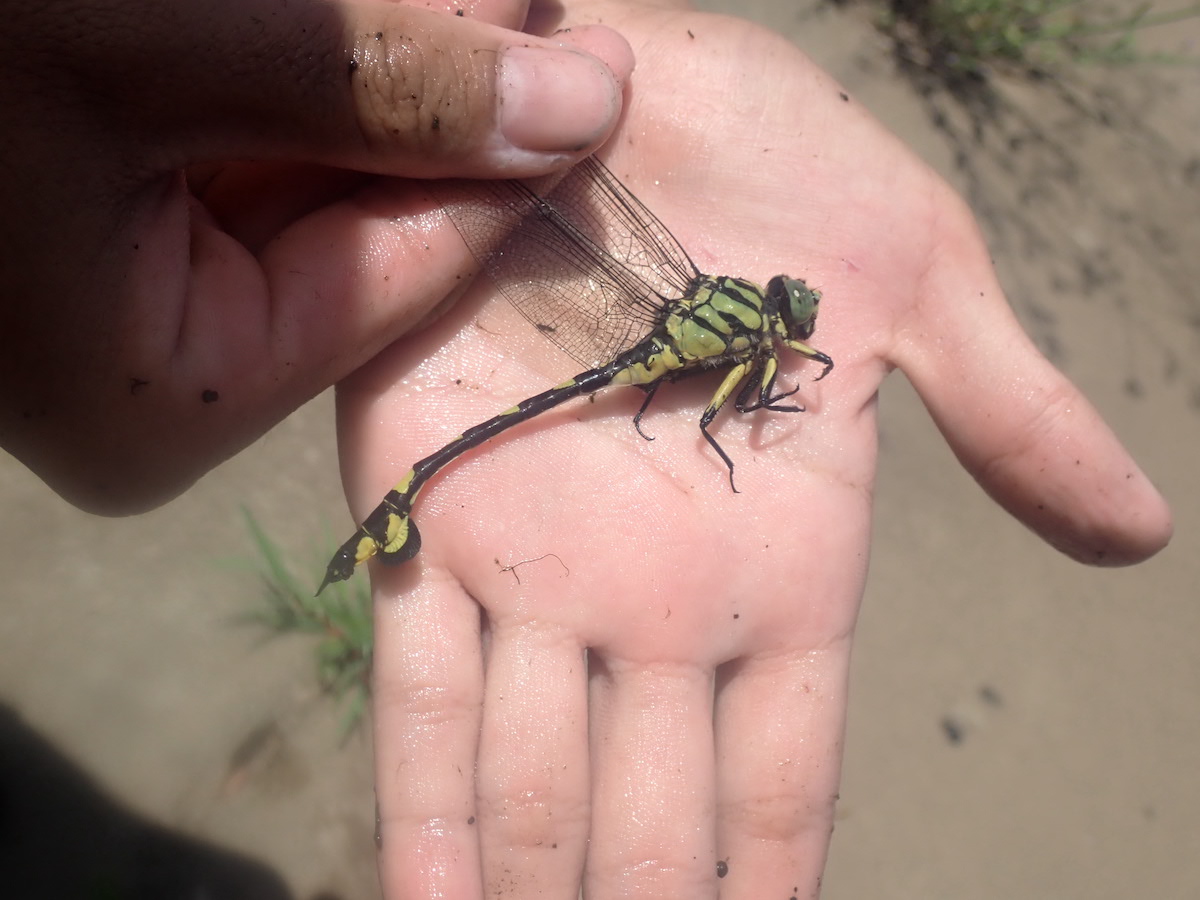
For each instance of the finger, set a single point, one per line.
(779, 724)
(378, 87)
(1022, 429)
(428, 686)
(653, 783)
(204, 347)
(533, 764)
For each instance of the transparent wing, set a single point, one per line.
(587, 263)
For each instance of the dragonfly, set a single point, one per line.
(598, 274)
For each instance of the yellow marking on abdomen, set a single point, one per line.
(397, 533)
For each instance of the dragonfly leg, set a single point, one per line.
(763, 379)
(735, 377)
(650, 389)
(814, 354)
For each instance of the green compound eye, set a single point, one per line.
(796, 302)
(803, 300)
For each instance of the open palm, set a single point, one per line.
(604, 667)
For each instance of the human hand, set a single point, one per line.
(189, 251)
(668, 688)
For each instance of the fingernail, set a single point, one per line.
(555, 100)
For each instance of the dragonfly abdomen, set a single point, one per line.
(389, 532)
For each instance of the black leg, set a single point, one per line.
(650, 389)
(765, 384)
(705, 421)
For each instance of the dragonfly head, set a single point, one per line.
(797, 303)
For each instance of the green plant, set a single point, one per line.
(968, 35)
(340, 618)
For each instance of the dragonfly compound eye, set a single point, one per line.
(797, 303)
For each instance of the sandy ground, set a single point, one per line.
(1020, 726)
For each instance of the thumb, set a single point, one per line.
(1019, 426)
(377, 87)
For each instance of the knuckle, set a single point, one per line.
(661, 873)
(779, 817)
(532, 813)
(426, 707)
(407, 89)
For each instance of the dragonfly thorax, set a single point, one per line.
(723, 318)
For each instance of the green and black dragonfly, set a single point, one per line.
(597, 273)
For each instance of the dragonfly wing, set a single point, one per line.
(586, 263)
(632, 234)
